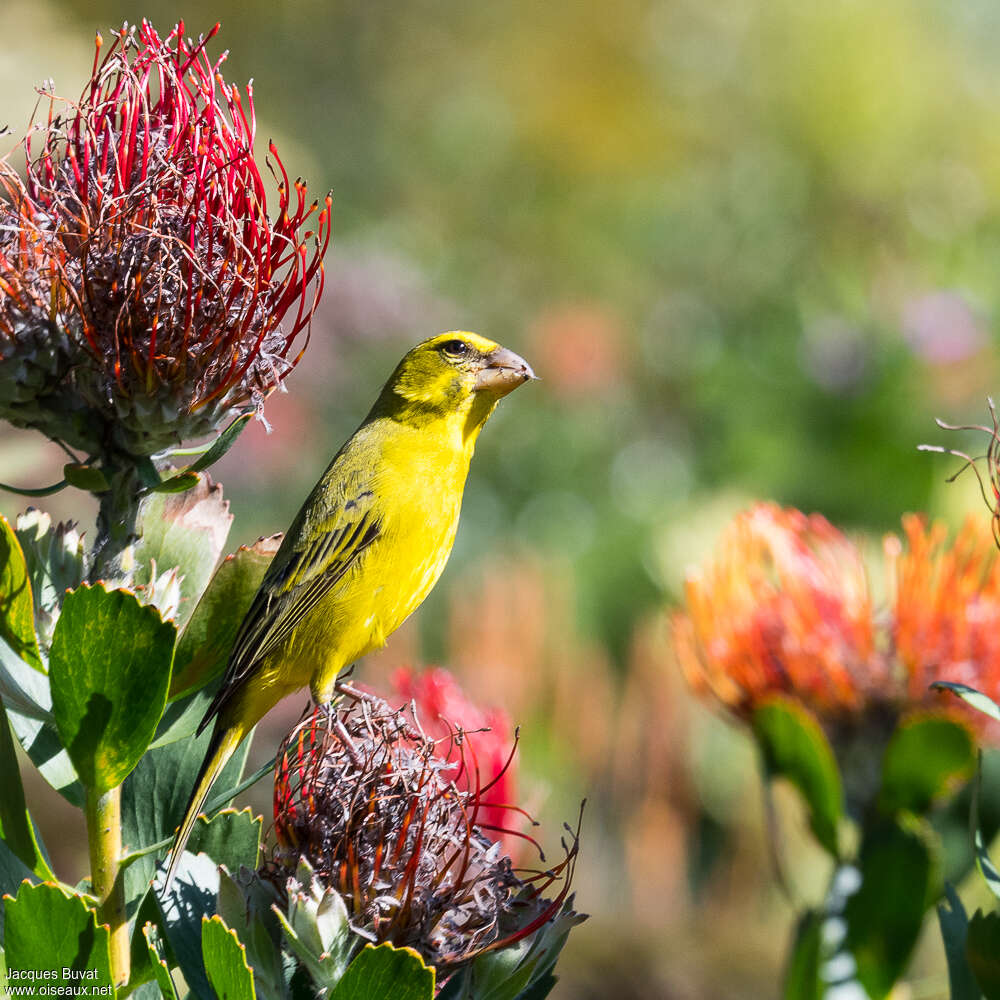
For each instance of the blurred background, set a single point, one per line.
(750, 247)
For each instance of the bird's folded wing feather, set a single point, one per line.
(291, 589)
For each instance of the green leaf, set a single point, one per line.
(204, 646)
(317, 929)
(229, 838)
(222, 443)
(86, 477)
(511, 972)
(17, 606)
(23, 688)
(899, 880)
(187, 530)
(954, 931)
(385, 971)
(41, 743)
(982, 949)
(157, 957)
(180, 483)
(13, 871)
(191, 898)
(975, 698)
(47, 929)
(225, 961)
(983, 860)
(110, 669)
(155, 795)
(927, 757)
(244, 903)
(794, 747)
(802, 975)
(55, 560)
(16, 828)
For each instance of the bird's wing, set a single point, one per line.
(295, 584)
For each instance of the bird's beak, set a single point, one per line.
(502, 372)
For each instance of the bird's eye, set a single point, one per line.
(455, 348)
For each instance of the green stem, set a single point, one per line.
(116, 519)
(104, 840)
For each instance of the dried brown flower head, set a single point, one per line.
(375, 807)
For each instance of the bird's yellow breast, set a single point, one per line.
(419, 481)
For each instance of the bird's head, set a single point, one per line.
(455, 374)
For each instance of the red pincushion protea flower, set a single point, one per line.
(372, 803)
(783, 606)
(442, 707)
(142, 248)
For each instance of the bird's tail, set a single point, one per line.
(220, 749)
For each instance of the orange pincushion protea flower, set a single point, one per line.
(946, 614)
(784, 606)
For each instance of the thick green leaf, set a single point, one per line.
(16, 828)
(191, 898)
(510, 973)
(982, 949)
(899, 879)
(794, 747)
(155, 795)
(983, 860)
(975, 698)
(90, 478)
(17, 606)
(110, 669)
(954, 931)
(802, 975)
(43, 746)
(56, 563)
(229, 838)
(317, 929)
(244, 903)
(182, 717)
(180, 483)
(384, 971)
(13, 872)
(187, 530)
(47, 929)
(927, 757)
(157, 957)
(203, 648)
(222, 443)
(23, 688)
(225, 961)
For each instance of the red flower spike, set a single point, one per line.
(443, 708)
(164, 269)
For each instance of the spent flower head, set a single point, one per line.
(378, 809)
(146, 293)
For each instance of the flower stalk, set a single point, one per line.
(104, 841)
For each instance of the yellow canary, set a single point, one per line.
(368, 544)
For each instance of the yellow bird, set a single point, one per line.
(368, 544)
